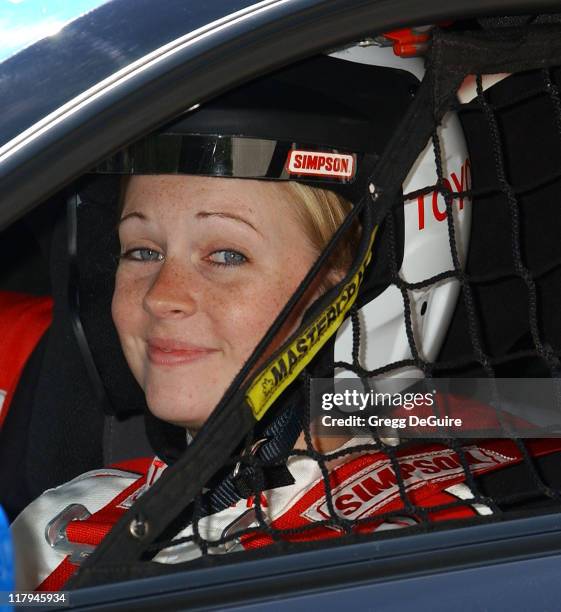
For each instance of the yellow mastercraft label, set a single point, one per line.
(277, 375)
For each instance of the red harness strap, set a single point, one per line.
(23, 320)
(96, 527)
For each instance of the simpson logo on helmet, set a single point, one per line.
(320, 163)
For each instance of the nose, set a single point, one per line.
(172, 294)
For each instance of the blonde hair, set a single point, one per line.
(321, 212)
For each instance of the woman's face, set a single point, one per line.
(207, 264)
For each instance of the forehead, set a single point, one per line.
(180, 202)
(171, 193)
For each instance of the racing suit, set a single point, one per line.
(362, 485)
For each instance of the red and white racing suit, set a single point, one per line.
(362, 485)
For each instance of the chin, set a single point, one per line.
(179, 408)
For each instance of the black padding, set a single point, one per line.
(66, 424)
(98, 248)
(517, 488)
(25, 267)
(53, 430)
(125, 439)
(532, 149)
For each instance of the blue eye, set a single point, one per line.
(142, 255)
(227, 258)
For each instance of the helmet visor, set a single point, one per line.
(232, 156)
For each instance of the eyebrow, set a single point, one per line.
(134, 214)
(228, 215)
(199, 215)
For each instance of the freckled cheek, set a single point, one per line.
(243, 318)
(127, 305)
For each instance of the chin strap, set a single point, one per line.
(260, 464)
(272, 447)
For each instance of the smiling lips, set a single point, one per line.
(173, 352)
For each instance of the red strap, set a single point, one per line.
(58, 578)
(23, 320)
(140, 465)
(94, 529)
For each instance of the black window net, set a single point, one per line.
(506, 324)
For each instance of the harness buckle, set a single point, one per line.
(244, 521)
(55, 533)
(252, 451)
